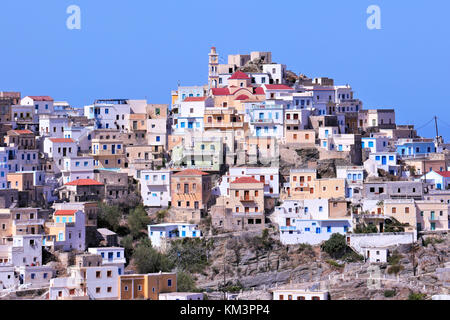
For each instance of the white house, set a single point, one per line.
(111, 256)
(312, 231)
(109, 114)
(35, 276)
(7, 276)
(76, 168)
(180, 296)
(439, 179)
(26, 250)
(328, 132)
(276, 71)
(386, 161)
(52, 126)
(67, 231)
(265, 119)
(155, 187)
(299, 294)
(190, 114)
(59, 148)
(3, 168)
(375, 144)
(41, 104)
(376, 254)
(270, 177)
(80, 134)
(354, 176)
(99, 283)
(159, 234)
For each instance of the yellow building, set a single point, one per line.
(146, 286)
(305, 185)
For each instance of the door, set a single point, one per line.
(110, 256)
(288, 222)
(383, 160)
(113, 149)
(433, 226)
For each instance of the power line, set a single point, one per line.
(432, 119)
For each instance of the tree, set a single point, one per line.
(137, 221)
(336, 246)
(185, 283)
(109, 217)
(149, 260)
(189, 255)
(393, 225)
(127, 243)
(365, 228)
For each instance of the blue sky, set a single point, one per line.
(140, 49)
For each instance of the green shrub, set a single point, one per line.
(185, 282)
(334, 263)
(389, 293)
(336, 246)
(417, 296)
(395, 269)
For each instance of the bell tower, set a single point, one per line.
(213, 75)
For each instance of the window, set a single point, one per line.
(97, 290)
(139, 288)
(98, 274)
(109, 289)
(169, 282)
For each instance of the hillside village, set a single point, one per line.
(260, 184)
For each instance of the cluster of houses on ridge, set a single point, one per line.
(213, 153)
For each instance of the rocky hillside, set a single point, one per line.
(253, 265)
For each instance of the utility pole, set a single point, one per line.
(435, 123)
(224, 272)
(413, 254)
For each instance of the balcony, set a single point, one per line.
(301, 185)
(29, 222)
(247, 199)
(292, 122)
(224, 124)
(262, 121)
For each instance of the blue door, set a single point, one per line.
(439, 186)
(383, 160)
(113, 151)
(110, 256)
(183, 233)
(258, 131)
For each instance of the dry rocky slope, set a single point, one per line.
(253, 272)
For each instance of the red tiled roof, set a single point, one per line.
(193, 99)
(65, 212)
(445, 174)
(239, 75)
(220, 91)
(22, 131)
(62, 140)
(242, 97)
(278, 87)
(246, 180)
(84, 182)
(190, 172)
(259, 90)
(41, 98)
